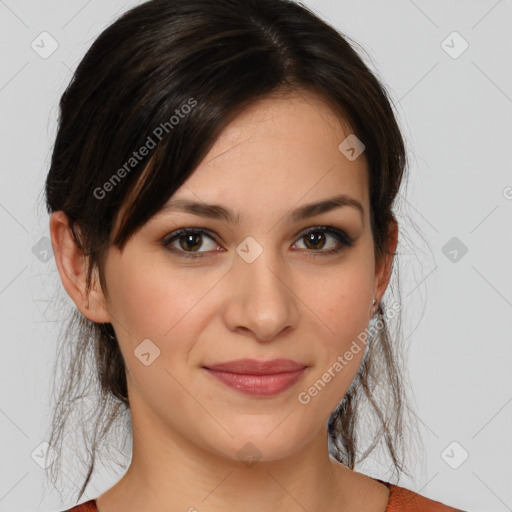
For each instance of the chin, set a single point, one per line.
(258, 445)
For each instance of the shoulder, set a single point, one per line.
(402, 499)
(88, 506)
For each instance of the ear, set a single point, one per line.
(71, 264)
(384, 266)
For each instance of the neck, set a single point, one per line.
(166, 468)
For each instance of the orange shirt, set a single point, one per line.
(400, 500)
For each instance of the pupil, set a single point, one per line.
(313, 236)
(190, 239)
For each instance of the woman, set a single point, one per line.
(221, 194)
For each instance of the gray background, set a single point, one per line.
(455, 111)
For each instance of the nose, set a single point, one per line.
(260, 298)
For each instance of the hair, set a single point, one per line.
(170, 75)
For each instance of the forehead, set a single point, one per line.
(279, 154)
(285, 119)
(280, 148)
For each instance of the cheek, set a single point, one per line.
(343, 298)
(148, 302)
(339, 353)
(341, 309)
(168, 310)
(147, 305)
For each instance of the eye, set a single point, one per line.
(189, 240)
(315, 239)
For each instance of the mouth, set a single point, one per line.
(258, 378)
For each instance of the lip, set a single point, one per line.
(258, 378)
(256, 367)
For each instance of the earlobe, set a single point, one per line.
(71, 264)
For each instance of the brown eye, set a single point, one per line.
(316, 239)
(186, 242)
(189, 241)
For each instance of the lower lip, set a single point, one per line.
(258, 385)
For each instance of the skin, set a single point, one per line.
(187, 427)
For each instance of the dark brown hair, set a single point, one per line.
(133, 85)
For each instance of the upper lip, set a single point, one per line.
(255, 367)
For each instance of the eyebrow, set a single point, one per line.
(215, 211)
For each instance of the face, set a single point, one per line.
(267, 284)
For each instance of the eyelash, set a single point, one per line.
(342, 237)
